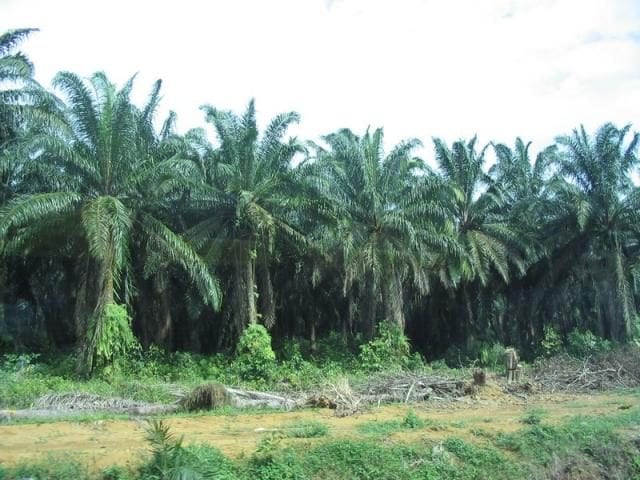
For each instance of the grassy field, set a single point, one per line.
(491, 436)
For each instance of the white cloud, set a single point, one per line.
(421, 68)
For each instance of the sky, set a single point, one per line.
(418, 68)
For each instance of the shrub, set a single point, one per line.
(52, 469)
(491, 356)
(411, 420)
(171, 460)
(583, 344)
(389, 349)
(552, 342)
(255, 359)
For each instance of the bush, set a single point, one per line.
(411, 420)
(53, 468)
(171, 460)
(552, 342)
(255, 359)
(582, 344)
(491, 356)
(389, 349)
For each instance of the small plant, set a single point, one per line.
(491, 356)
(172, 461)
(309, 429)
(533, 417)
(390, 348)
(255, 359)
(267, 448)
(552, 341)
(584, 343)
(411, 420)
(114, 473)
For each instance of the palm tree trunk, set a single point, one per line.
(244, 298)
(80, 312)
(106, 297)
(625, 297)
(393, 300)
(470, 322)
(267, 301)
(368, 318)
(347, 322)
(3, 296)
(163, 320)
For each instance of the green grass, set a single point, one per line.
(408, 422)
(533, 417)
(581, 446)
(309, 429)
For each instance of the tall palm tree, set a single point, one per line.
(596, 214)
(488, 243)
(15, 68)
(245, 188)
(386, 220)
(107, 183)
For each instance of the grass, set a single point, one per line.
(533, 417)
(408, 422)
(581, 447)
(309, 429)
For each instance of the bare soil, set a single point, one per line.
(101, 443)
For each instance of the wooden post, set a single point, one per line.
(511, 364)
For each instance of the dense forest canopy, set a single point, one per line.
(114, 232)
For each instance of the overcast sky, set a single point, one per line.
(423, 68)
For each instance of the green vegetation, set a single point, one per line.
(409, 422)
(580, 448)
(306, 430)
(118, 238)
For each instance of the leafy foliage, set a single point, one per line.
(255, 359)
(390, 348)
(170, 460)
(101, 210)
(111, 337)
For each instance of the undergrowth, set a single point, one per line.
(582, 447)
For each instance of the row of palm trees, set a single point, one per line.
(196, 240)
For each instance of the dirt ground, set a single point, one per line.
(107, 442)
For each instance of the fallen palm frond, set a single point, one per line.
(206, 397)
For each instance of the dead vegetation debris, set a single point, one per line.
(605, 371)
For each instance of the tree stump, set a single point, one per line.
(511, 364)
(479, 377)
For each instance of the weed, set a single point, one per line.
(411, 420)
(533, 417)
(309, 429)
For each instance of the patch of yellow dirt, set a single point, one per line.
(107, 442)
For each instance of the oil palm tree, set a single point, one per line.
(107, 192)
(488, 242)
(16, 72)
(595, 213)
(245, 189)
(385, 223)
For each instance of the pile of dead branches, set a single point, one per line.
(338, 396)
(409, 387)
(563, 373)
